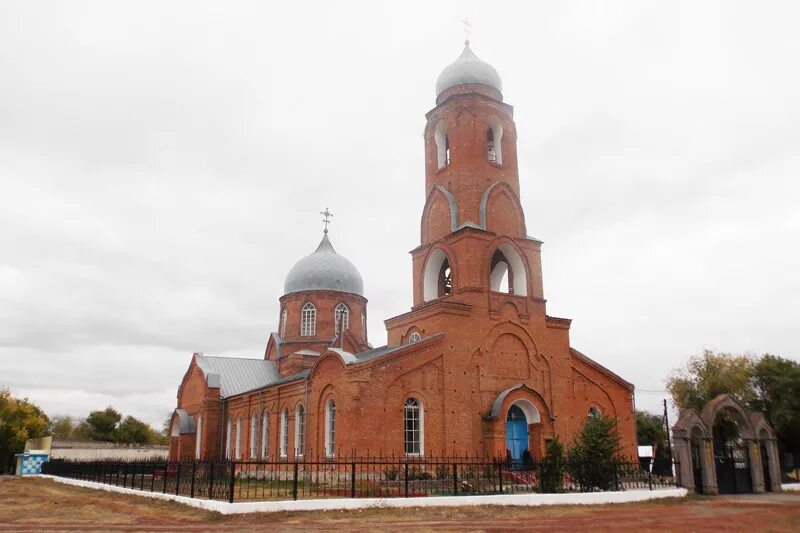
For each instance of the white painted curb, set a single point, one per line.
(580, 498)
(790, 486)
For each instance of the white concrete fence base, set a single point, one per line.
(533, 500)
(791, 486)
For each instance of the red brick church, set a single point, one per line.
(475, 367)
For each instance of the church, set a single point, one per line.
(475, 367)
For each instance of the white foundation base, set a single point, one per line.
(579, 498)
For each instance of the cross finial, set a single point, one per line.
(467, 30)
(326, 218)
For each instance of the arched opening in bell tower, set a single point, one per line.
(437, 280)
(507, 271)
(494, 138)
(442, 144)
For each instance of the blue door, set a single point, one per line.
(516, 436)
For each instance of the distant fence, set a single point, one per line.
(362, 477)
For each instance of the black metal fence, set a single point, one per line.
(790, 468)
(362, 477)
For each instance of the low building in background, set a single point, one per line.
(77, 450)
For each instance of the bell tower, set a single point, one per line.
(470, 144)
(473, 238)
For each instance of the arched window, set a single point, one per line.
(414, 337)
(253, 436)
(265, 434)
(342, 318)
(494, 137)
(228, 435)
(508, 271)
(593, 412)
(283, 324)
(308, 320)
(239, 437)
(330, 428)
(198, 438)
(442, 144)
(437, 280)
(175, 431)
(413, 427)
(284, 433)
(299, 431)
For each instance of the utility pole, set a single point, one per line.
(669, 440)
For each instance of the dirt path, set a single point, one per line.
(40, 505)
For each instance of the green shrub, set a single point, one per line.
(553, 467)
(591, 461)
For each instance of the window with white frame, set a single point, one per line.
(342, 318)
(198, 436)
(308, 320)
(253, 436)
(228, 433)
(265, 434)
(283, 324)
(239, 437)
(284, 432)
(299, 430)
(414, 337)
(593, 412)
(330, 428)
(413, 427)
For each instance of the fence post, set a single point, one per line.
(405, 477)
(500, 475)
(455, 479)
(353, 479)
(232, 482)
(166, 473)
(650, 478)
(194, 470)
(152, 477)
(294, 481)
(616, 475)
(178, 479)
(211, 480)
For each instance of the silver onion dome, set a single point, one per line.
(468, 68)
(324, 270)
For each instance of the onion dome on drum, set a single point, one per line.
(324, 270)
(468, 69)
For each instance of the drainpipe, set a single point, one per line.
(305, 436)
(224, 427)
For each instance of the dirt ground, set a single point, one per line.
(41, 505)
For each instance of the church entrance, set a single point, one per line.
(517, 437)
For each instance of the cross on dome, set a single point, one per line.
(326, 218)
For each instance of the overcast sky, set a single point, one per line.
(163, 164)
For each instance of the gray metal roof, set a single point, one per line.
(468, 68)
(324, 270)
(235, 375)
(185, 422)
(374, 353)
